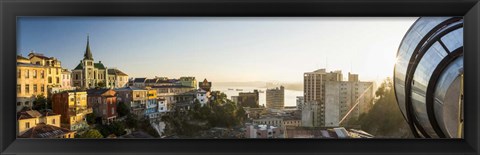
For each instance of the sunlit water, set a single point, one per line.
(290, 95)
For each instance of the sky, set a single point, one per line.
(221, 49)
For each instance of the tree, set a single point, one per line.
(122, 109)
(92, 133)
(147, 127)
(384, 119)
(40, 102)
(131, 121)
(91, 118)
(116, 128)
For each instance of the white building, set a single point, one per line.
(201, 96)
(342, 97)
(328, 99)
(162, 105)
(310, 114)
(263, 131)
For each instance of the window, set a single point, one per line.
(42, 74)
(35, 88)
(27, 103)
(35, 74)
(58, 73)
(113, 110)
(49, 71)
(27, 125)
(19, 72)
(27, 88)
(43, 88)
(19, 89)
(76, 76)
(58, 80)
(26, 74)
(49, 79)
(19, 103)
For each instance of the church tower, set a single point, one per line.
(89, 80)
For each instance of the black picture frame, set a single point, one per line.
(10, 10)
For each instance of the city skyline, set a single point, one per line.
(273, 49)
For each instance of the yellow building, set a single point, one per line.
(151, 93)
(53, 68)
(33, 124)
(31, 80)
(72, 106)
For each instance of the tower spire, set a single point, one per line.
(88, 53)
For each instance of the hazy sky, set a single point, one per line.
(223, 49)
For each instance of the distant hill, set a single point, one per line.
(262, 84)
(289, 86)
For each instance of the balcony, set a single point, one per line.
(80, 111)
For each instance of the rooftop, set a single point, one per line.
(128, 88)
(114, 71)
(97, 91)
(139, 80)
(43, 130)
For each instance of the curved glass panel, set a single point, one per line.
(446, 97)
(453, 40)
(421, 78)
(411, 40)
(424, 70)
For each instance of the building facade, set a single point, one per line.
(249, 99)
(35, 124)
(73, 108)
(66, 80)
(300, 102)
(53, 68)
(275, 98)
(162, 106)
(188, 81)
(89, 74)
(330, 101)
(202, 96)
(104, 104)
(116, 78)
(152, 105)
(31, 82)
(314, 93)
(135, 98)
(263, 131)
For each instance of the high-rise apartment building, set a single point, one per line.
(314, 90)
(275, 98)
(328, 99)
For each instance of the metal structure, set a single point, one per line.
(428, 77)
